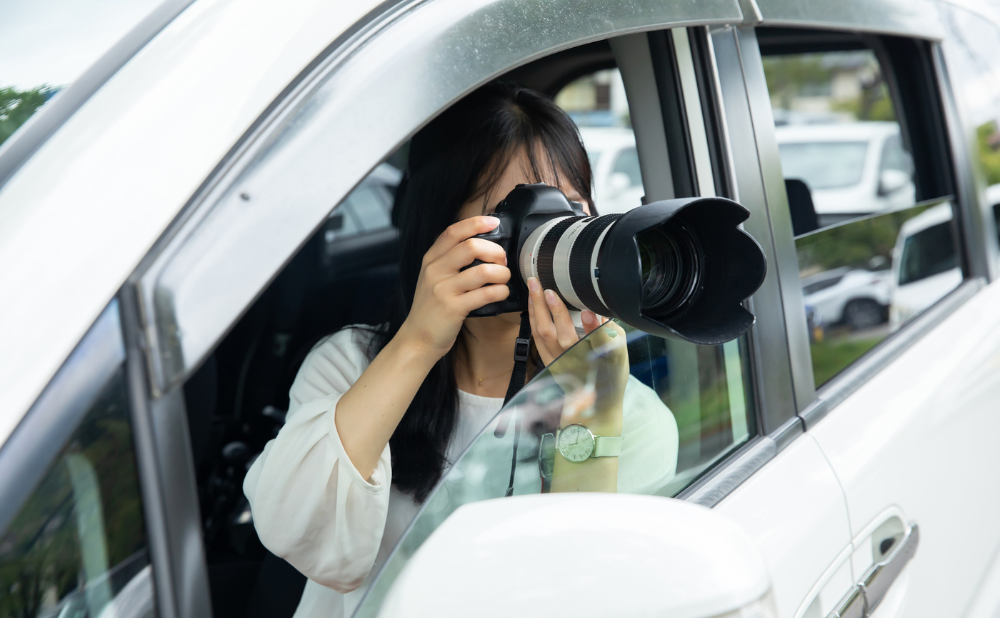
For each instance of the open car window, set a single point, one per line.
(683, 407)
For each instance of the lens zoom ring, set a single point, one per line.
(546, 251)
(580, 260)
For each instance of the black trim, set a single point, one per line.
(675, 122)
(26, 141)
(709, 98)
(38, 439)
(909, 69)
(779, 40)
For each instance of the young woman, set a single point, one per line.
(377, 414)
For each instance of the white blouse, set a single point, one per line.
(313, 508)
(310, 504)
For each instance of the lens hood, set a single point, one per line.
(731, 266)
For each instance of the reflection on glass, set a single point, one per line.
(811, 162)
(678, 408)
(863, 279)
(838, 133)
(77, 548)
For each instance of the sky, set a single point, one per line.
(54, 41)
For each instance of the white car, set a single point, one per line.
(851, 168)
(614, 162)
(855, 297)
(924, 264)
(164, 261)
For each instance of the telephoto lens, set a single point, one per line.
(679, 268)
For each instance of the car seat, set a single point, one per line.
(800, 204)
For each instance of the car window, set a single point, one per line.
(597, 104)
(77, 548)
(864, 234)
(627, 163)
(810, 161)
(683, 406)
(927, 253)
(366, 209)
(894, 156)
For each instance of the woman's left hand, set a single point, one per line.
(552, 326)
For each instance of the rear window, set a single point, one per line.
(811, 162)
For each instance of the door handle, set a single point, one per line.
(868, 594)
(882, 574)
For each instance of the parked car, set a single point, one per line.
(855, 297)
(924, 264)
(165, 267)
(614, 162)
(851, 168)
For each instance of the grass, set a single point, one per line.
(832, 356)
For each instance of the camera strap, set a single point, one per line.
(521, 348)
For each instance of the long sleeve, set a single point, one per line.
(310, 504)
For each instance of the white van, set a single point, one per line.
(168, 256)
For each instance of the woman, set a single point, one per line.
(377, 414)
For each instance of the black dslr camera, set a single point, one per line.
(678, 268)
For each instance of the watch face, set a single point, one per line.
(576, 443)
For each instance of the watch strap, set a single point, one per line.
(607, 446)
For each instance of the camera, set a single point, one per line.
(679, 268)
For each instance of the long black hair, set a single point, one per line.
(457, 158)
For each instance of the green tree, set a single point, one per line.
(988, 142)
(788, 75)
(17, 106)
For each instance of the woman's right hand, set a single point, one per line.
(445, 293)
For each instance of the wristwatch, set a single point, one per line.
(576, 444)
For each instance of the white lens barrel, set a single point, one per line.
(560, 262)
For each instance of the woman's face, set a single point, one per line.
(518, 172)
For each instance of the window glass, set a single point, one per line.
(627, 164)
(368, 208)
(683, 407)
(597, 103)
(863, 242)
(810, 161)
(45, 45)
(78, 546)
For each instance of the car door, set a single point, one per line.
(905, 410)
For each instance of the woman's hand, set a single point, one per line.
(552, 326)
(446, 294)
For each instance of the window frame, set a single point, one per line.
(936, 109)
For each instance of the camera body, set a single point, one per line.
(524, 210)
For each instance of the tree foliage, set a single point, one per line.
(16, 106)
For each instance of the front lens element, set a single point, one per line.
(670, 262)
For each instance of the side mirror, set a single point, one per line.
(584, 555)
(618, 182)
(890, 181)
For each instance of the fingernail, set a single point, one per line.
(533, 284)
(550, 298)
(495, 221)
(588, 316)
